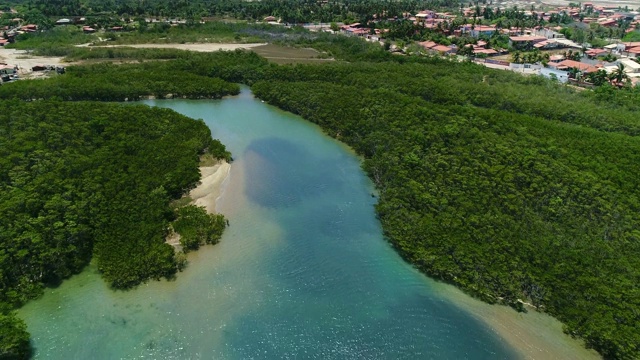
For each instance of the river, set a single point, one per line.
(302, 272)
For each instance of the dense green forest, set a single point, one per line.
(86, 180)
(109, 82)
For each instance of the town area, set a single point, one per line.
(585, 44)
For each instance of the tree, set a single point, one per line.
(619, 75)
(14, 338)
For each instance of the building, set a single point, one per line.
(634, 52)
(571, 64)
(594, 53)
(630, 66)
(477, 30)
(525, 42)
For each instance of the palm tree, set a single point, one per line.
(516, 57)
(619, 75)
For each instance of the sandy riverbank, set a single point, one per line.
(212, 182)
(211, 185)
(533, 334)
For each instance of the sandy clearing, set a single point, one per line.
(210, 187)
(26, 61)
(200, 47)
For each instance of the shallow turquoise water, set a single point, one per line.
(302, 272)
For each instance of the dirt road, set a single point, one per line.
(201, 47)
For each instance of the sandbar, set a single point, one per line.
(210, 187)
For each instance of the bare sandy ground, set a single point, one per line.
(26, 61)
(201, 47)
(210, 187)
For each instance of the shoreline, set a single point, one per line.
(533, 334)
(206, 194)
(211, 186)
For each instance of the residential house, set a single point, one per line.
(571, 64)
(486, 52)
(556, 58)
(525, 42)
(634, 53)
(631, 67)
(608, 22)
(548, 33)
(546, 44)
(437, 48)
(594, 53)
(477, 30)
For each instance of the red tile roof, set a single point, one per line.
(577, 65)
(527, 38)
(595, 52)
(441, 48)
(485, 51)
(427, 44)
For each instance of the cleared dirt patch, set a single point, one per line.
(201, 47)
(26, 61)
(290, 55)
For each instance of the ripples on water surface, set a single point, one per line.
(303, 271)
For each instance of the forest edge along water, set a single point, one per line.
(302, 271)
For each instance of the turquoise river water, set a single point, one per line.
(302, 272)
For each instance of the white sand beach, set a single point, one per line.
(211, 185)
